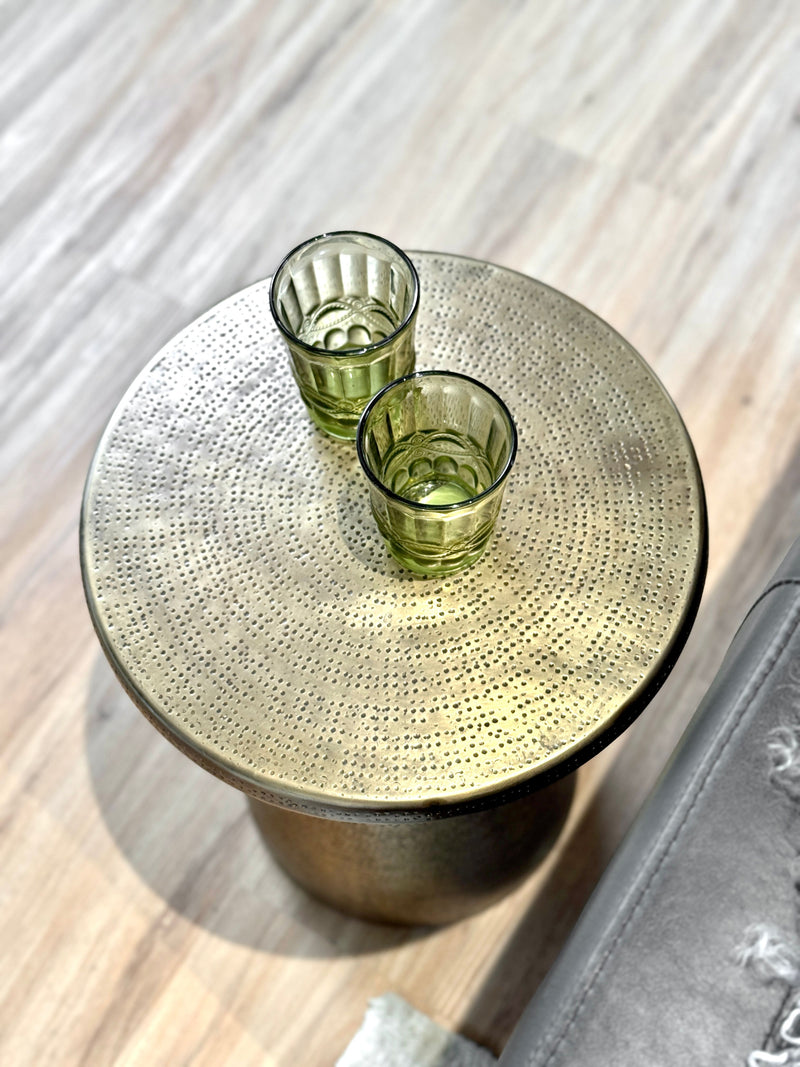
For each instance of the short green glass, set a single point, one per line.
(437, 448)
(346, 304)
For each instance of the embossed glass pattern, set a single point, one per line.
(346, 305)
(437, 448)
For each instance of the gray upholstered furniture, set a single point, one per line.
(686, 952)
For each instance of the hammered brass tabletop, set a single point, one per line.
(244, 597)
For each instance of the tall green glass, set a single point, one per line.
(346, 305)
(437, 448)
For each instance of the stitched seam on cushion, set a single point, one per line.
(719, 747)
(767, 591)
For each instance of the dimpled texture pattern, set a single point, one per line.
(241, 590)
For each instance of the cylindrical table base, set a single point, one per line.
(418, 872)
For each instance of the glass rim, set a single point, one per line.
(418, 505)
(343, 353)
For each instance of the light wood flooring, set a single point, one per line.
(157, 155)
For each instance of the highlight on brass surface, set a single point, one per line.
(437, 448)
(240, 589)
(346, 305)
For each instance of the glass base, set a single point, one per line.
(339, 428)
(427, 568)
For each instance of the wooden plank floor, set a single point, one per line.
(158, 155)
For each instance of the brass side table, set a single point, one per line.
(406, 743)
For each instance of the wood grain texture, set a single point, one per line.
(156, 156)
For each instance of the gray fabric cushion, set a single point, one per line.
(650, 974)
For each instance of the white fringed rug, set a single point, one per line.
(393, 1034)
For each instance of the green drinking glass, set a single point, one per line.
(346, 304)
(437, 448)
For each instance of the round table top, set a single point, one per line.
(244, 596)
